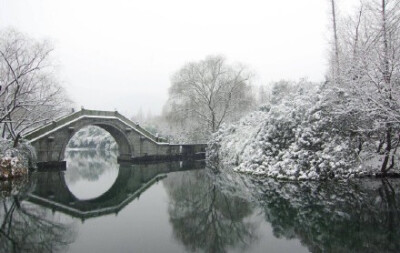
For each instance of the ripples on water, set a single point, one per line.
(100, 206)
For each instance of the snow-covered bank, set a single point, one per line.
(15, 162)
(298, 136)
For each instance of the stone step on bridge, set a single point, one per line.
(135, 144)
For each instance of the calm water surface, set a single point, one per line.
(98, 205)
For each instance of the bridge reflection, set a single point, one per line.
(52, 191)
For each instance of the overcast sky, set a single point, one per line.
(120, 54)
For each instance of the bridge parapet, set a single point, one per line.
(141, 129)
(36, 133)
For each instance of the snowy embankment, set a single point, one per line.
(14, 162)
(294, 138)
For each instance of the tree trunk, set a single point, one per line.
(360, 145)
(381, 142)
(394, 152)
(213, 122)
(388, 149)
(336, 69)
(16, 140)
(387, 88)
(386, 70)
(3, 134)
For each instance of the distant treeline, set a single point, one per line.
(93, 137)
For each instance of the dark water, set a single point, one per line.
(98, 205)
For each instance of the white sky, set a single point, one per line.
(120, 54)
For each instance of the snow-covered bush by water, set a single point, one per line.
(296, 137)
(15, 162)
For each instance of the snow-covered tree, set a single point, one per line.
(30, 94)
(206, 93)
(369, 77)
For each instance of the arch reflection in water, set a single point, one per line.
(52, 190)
(90, 173)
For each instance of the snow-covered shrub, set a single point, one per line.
(297, 137)
(15, 162)
(11, 167)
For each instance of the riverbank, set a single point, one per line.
(15, 162)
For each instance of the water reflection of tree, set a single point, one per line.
(89, 164)
(29, 228)
(358, 216)
(204, 218)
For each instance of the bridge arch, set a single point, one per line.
(124, 146)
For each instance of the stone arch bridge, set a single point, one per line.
(134, 142)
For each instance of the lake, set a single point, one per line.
(98, 205)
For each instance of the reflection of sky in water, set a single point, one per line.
(89, 174)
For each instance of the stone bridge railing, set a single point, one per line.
(66, 119)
